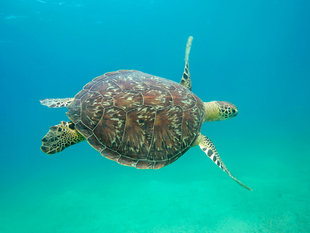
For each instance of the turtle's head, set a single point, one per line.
(219, 110)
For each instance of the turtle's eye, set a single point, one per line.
(234, 111)
(71, 125)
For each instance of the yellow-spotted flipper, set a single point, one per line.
(56, 103)
(186, 78)
(207, 146)
(60, 137)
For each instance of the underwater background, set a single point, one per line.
(255, 54)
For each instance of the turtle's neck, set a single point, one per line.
(211, 111)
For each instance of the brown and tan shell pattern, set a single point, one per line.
(137, 119)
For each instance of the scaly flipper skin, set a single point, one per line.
(60, 137)
(56, 103)
(186, 78)
(207, 146)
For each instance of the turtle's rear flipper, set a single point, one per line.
(60, 137)
(207, 146)
(56, 103)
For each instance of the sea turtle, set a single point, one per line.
(137, 119)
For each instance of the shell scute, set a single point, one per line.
(80, 95)
(144, 164)
(128, 80)
(106, 88)
(138, 133)
(189, 123)
(92, 83)
(110, 154)
(126, 161)
(84, 129)
(160, 98)
(182, 99)
(92, 109)
(110, 128)
(128, 100)
(74, 112)
(94, 142)
(167, 136)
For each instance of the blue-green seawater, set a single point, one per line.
(255, 54)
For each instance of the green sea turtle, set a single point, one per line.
(137, 119)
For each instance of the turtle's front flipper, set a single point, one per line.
(207, 146)
(56, 103)
(186, 78)
(60, 137)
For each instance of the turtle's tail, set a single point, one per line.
(57, 103)
(59, 137)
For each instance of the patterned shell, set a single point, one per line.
(137, 119)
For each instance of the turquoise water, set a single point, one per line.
(255, 54)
